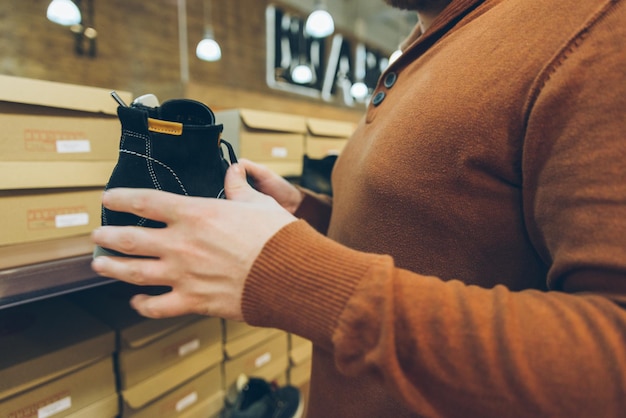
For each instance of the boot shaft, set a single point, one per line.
(175, 147)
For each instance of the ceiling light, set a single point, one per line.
(208, 49)
(302, 74)
(359, 90)
(63, 12)
(320, 23)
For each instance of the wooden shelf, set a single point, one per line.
(30, 272)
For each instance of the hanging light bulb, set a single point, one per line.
(302, 74)
(320, 23)
(208, 49)
(63, 12)
(359, 90)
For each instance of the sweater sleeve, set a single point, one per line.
(444, 348)
(448, 349)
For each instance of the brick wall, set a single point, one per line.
(138, 51)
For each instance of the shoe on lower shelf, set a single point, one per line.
(257, 398)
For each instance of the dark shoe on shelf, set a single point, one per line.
(175, 147)
(257, 398)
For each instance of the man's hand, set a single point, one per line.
(270, 183)
(204, 253)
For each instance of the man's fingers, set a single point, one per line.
(137, 271)
(236, 186)
(130, 240)
(161, 306)
(146, 203)
(254, 170)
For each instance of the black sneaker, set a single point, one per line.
(175, 147)
(257, 398)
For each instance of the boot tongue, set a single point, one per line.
(186, 111)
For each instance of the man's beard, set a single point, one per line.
(416, 4)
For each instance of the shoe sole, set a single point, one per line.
(98, 251)
(300, 411)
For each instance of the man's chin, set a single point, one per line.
(405, 4)
(416, 5)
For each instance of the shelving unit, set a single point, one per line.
(30, 272)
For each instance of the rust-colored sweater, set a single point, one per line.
(474, 260)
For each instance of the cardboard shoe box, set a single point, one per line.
(326, 137)
(147, 347)
(202, 396)
(273, 139)
(268, 359)
(38, 215)
(239, 337)
(89, 388)
(154, 356)
(55, 360)
(56, 134)
(300, 358)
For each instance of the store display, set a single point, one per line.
(174, 147)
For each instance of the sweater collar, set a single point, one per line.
(449, 17)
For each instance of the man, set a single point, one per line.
(474, 263)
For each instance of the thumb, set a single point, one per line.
(236, 185)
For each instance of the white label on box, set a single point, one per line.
(71, 219)
(279, 152)
(263, 359)
(67, 146)
(187, 401)
(189, 347)
(55, 407)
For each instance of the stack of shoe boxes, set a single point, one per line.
(254, 352)
(273, 139)
(165, 367)
(58, 145)
(326, 137)
(56, 360)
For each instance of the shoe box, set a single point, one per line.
(200, 397)
(273, 139)
(58, 146)
(56, 360)
(300, 363)
(255, 352)
(300, 356)
(326, 137)
(56, 134)
(31, 216)
(158, 360)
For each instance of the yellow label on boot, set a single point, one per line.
(165, 127)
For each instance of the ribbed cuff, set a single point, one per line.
(301, 283)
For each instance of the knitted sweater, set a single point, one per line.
(473, 261)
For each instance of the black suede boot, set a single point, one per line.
(175, 147)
